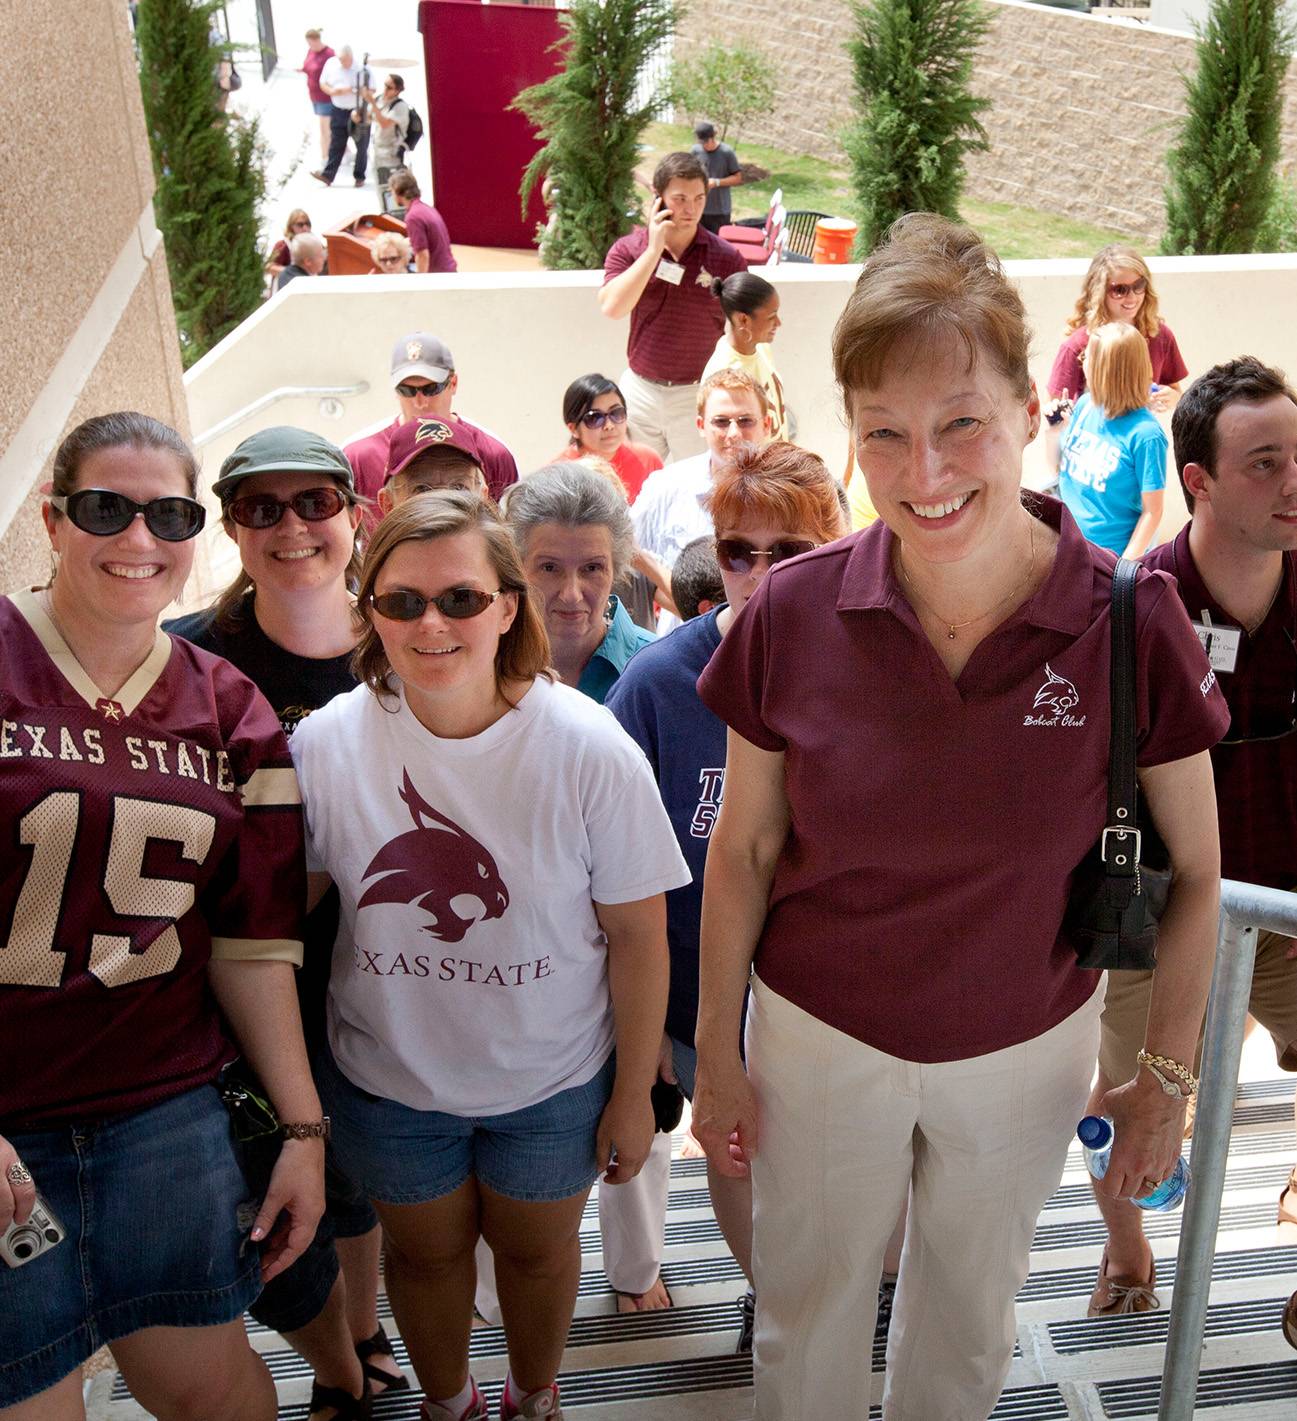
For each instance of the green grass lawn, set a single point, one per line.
(823, 187)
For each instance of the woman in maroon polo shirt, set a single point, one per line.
(917, 761)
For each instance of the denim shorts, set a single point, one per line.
(157, 1207)
(404, 1156)
(323, 107)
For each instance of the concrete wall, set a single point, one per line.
(1083, 109)
(85, 303)
(518, 339)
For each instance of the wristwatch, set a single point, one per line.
(306, 1130)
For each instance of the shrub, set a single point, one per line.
(727, 84)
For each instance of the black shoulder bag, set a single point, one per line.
(1116, 900)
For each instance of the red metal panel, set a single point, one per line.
(478, 58)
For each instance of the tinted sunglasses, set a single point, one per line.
(596, 419)
(408, 391)
(734, 555)
(457, 603)
(1122, 289)
(102, 512)
(264, 510)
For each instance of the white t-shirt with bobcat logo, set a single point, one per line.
(470, 973)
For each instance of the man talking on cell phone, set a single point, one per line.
(660, 276)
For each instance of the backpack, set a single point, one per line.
(413, 129)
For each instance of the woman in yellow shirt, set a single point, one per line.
(751, 307)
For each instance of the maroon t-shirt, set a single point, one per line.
(936, 824)
(312, 66)
(674, 327)
(368, 459)
(1069, 374)
(426, 229)
(1256, 781)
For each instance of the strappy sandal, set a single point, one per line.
(380, 1345)
(345, 1406)
(1290, 1321)
(1287, 1211)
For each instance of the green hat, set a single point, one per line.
(283, 450)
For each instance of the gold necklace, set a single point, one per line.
(953, 627)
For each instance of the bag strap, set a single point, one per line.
(1115, 846)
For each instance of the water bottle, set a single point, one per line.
(1096, 1136)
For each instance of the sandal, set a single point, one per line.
(1290, 1321)
(1287, 1211)
(380, 1345)
(1114, 1295)
(345, 1406)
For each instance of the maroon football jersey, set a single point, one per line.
(145, 833)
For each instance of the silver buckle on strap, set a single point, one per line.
(1120, 833)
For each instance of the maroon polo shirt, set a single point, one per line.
(674, 328)
(1256, 781)
(1068, 373)
(918, 902)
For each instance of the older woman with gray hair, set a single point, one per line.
(574, 534)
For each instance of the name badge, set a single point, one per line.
(670, 271)
(1220, 643)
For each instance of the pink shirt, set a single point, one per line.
(918, 902)
(314, 62)
(1068, 373)
(674, 327)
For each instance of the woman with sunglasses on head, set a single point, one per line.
(1117, 287)
(502, 927)
(151, 903)
(917, 763)
(288, 622)
(751, 307)
(594, 411)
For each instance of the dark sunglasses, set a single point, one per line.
(264, 510)
(596, 419)
(408, 391)
(1122, 289)
(102, 512)
(734, 555)
(457, 603)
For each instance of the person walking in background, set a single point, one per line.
(424, 224)
(660, 275)
(344, 81)
(1112, 465)
(318, 55)
(751, 307)
(723, 173)
(594, 411)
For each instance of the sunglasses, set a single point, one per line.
(734, 555)
(457, 603)
(102, 512)
(396, 259)
(1121, 289)
(264, 510)
(596, 419)
(408, 391)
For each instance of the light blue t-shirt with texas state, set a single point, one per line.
(1105, 468)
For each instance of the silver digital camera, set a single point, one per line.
(20, 1243)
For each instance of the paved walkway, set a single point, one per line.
(680, 1365)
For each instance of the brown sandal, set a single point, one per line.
(1290, 1321)
(1116, 1295)
(1287, 1211)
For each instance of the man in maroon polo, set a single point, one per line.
(661, 277)
(1235, 431)
(424, 377)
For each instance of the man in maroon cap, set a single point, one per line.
(426, 455)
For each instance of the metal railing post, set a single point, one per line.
(1245, 907)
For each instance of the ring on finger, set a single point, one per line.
(18, 1173)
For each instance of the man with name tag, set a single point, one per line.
(1235, 434)
(660, 276)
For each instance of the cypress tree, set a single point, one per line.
(912, 62)
(208, 167)
(1222, 169)
(591, 115)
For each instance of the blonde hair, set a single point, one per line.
(737, 382)
(298, 214)
(1118, 371)
(1091, 309)
(387, 242)
(523, 652)
(930, 278)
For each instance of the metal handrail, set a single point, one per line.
(1244, 908)
(282, 392)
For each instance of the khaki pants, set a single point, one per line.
(845, 1133)
(665, 417)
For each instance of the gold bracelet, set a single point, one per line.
(1159, 1064)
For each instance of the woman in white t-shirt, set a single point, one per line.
(501, 854)
(751, 307)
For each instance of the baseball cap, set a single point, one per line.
(704, 130)
(421, 354)
(412, 438)
(283, 450)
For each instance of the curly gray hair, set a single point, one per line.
(573, 496)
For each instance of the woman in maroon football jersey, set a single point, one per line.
(153, 892)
